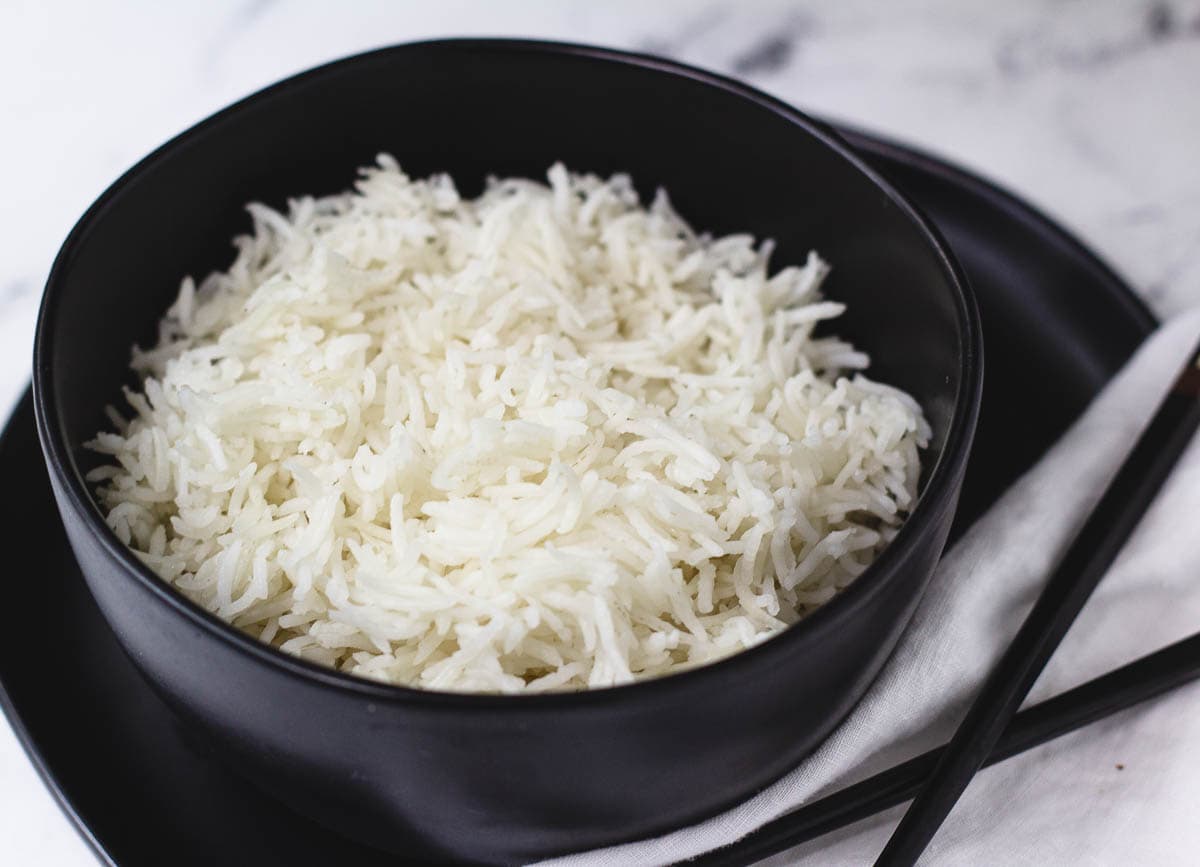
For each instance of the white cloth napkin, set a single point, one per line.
(1123, 791)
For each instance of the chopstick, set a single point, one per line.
(1093, 550)
(1120, 689)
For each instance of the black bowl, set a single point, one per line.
(508, 778)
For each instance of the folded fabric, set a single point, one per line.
(1122, 791)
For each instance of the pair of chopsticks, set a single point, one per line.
(1093, 550)
(992, 729)
(1143, 679)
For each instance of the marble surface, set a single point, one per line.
(1088, 109)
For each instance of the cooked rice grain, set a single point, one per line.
(543, 439)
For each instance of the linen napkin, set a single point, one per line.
(1122, 791)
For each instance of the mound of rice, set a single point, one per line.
(544, 439)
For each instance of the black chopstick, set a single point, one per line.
(1143, 679)
(1093, 550)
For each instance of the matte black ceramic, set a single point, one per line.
(1057, 324)
(491, 777)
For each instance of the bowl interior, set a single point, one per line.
(730, 163)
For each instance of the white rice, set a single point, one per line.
(544, 439)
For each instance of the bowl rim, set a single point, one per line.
(939, 494)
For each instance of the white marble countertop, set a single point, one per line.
(1088, 109)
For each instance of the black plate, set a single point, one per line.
(1057, 324)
